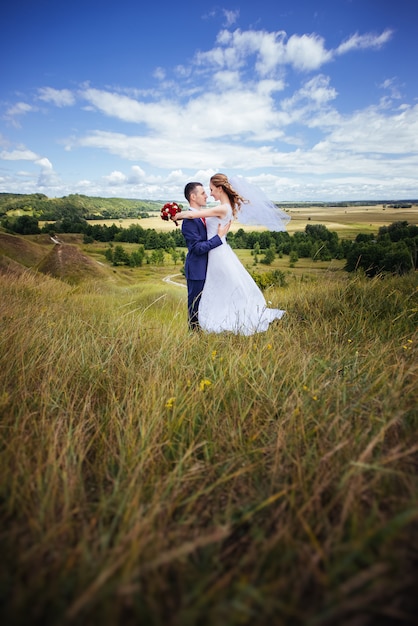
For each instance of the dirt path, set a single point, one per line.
(169, 279)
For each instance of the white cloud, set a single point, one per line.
(307, 52)
(272, 53)
(115, 178)
(115, 105)
(47, 177)
(16, 111)
(19, 155)
(274, 50)
(318, 90)
(159, 73)
(176, 121)
(59, 97)
(20, 108)
(226, 79)
(309, 106)
(176, 176)
(137, 175)
(44, 163)
(269, 86)
(230, 16)
(391, 85)
(237, 47)
(128, 109)
(368, 40)
(374, 131)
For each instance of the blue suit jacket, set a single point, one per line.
(198, 246)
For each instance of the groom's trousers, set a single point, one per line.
(194, 293)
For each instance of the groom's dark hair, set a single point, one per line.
(189, 189)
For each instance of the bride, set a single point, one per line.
(231, 300)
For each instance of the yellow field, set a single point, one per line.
(348, 220)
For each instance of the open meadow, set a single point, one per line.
(154, 477)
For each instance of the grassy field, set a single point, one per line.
(153, 477)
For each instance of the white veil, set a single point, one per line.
(259, 210)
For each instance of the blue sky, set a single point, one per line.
(310, 99)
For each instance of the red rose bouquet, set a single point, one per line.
(169, 210)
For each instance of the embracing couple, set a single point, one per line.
(222, 296)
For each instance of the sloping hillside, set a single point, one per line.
(60, 260)
(68, 263)
(12, 268)
(21, 250)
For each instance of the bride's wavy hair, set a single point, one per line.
(235, 200)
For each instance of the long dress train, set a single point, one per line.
(231, 300)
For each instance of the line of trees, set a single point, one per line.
(394, 250)
(117, 255)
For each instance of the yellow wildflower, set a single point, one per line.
(170, 403)
(204, 383)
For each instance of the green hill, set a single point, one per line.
(74, 205)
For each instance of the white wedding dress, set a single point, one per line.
(231, 300)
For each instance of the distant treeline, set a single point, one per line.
(393, 249)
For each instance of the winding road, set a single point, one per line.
(169, 279)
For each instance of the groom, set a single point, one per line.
(198, 246)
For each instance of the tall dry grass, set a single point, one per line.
(150, 476)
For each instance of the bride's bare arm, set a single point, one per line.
(216, 211)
